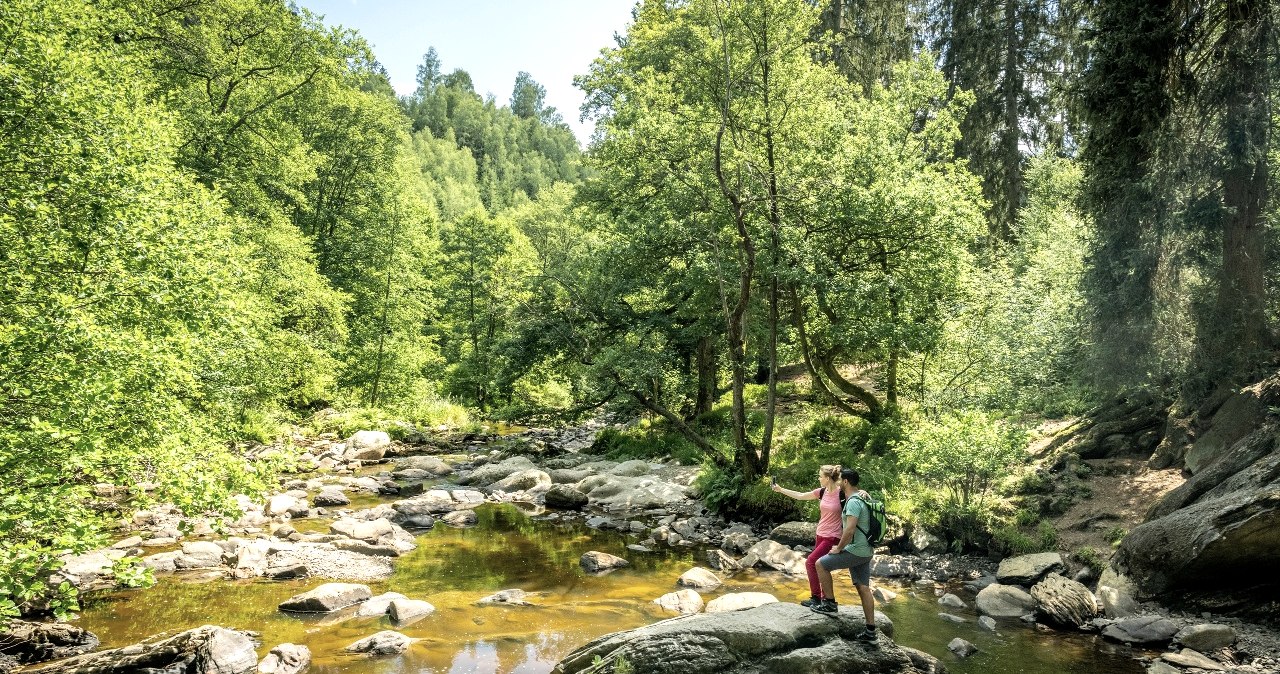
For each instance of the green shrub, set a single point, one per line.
(1091, 558)
(1013, 539)
(963, 454)
(645, 443)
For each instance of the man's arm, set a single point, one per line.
(846, 536)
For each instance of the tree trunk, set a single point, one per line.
(1012, 155)
(706, 365)
(1241, 290)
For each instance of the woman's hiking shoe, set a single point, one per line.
(811, 602)
(866, 635)
(825, 606)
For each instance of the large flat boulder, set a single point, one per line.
(622, 493)
(1027, 570)
(203, 650)
(1214, 543)
(1239, 416)
(1151, 629)
(795, 533)
(29, 642)
(776, 638)
(367, 446)
(493, 472)
(1005, 601)
(327, 598)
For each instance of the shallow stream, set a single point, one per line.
(509, 548)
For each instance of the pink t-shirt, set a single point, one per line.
(829, 522)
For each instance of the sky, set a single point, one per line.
(553, 40)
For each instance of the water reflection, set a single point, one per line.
(454, 568)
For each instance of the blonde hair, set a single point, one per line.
(830, 472)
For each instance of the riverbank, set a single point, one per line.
(646, 513)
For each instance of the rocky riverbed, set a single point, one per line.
(361, 501)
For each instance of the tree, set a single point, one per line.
(528, 96)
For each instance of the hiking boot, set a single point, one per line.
(865, 636)
(811, 601)
(826, 606)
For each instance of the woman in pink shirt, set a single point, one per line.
(829, 524)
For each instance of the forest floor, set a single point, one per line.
(1122, 492)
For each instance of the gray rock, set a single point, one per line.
(895, 566)
(568, 475)
(385, 642)
(795, 533)
(620, 493)
(737, 542)
(699, 578)
(1141, 630)
(286, 659)
(632, 468)
(206, 650)
(405, 611)
(378, 605)
(329, 497)
(1232, 533)
(1191, 658)
(684, 602)
(952, 601)
(952, 618)
(362, 548)
(784, 638)
(491, 473)
(986, 622)
(368, 531)
(525, 480)
(326, 598)
(1004, 601)
(1027, 570)
(565, 497)
(719, 561)
(778, 556)
(29, 642)
(1206, 637)
(739, 601)
(1065, 602)
(285, 568)
(367, 446)
(411, 474)
(1115, 593)
(924, 542)
(460, 518)
(433, 465)
(513, 597)
(1162, 667)
(961, 647)
(595, 561)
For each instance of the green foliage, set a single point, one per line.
(963, 454)
(1015, 539)
(640, 442)
(129, 572)
(1091, 558)
(1115, 535)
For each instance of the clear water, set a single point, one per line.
(452, 568)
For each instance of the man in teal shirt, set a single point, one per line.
(853, 552)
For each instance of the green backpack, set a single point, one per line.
(879, 522)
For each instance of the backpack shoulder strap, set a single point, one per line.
(866, 533)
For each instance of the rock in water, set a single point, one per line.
(37, 642)
(326, 598)
(1026, 570)
(1065, 602)
(595, 561)
(770, 638)
(699, 578)
(961, 647)
(367, 446)
(385, 642)
(739, 601)
(203, 650)
(286, 659)
(684, 602)
(566, 497)
(795, 533)
(1141, 630)
(1004, 601)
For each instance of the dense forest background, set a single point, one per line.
(218, 219)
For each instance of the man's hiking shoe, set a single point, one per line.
(827, 606)
(866, 636)
(811, 602)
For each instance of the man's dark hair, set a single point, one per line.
(850, 475)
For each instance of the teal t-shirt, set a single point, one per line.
(854, 507)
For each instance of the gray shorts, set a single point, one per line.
(859, 567)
